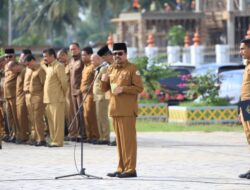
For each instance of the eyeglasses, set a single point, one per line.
(120, 53)
(9, 56)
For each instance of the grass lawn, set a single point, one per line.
(160, 126)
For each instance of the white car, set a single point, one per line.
(230, 86)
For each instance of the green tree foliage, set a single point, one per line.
(206, 87)
(176, 35)
(52, 21)
(151, 75)
(3, 21)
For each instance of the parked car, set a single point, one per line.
(230, 86)
(216, 68)
(229, 78)
(175, 87)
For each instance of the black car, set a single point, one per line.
(175, 87)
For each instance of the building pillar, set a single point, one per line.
(242, 5)
(230, 5)
(174, 53)
(230, 30)
(141, 33)
(222, 53)
(198, 5)
(131, 53)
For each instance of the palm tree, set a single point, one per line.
(48, 18)
(3, 21)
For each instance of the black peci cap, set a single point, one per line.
(120, 46)
(9, 51)
(26, 51)
(103, 51)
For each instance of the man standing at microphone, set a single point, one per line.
(125, 83)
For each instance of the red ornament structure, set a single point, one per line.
(136, 4)
(187, 40)
(196, 39)
(151, 40)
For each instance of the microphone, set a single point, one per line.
(104, 64)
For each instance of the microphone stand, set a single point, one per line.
(82, 170)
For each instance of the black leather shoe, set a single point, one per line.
(67, 138)
(18, 141)
(53, 146)
(31, 142)
(12, 139)
(245, 175)
(6, 138)
(127, 174)
(105, 142)
(41, 143)
(115, 174)
(248, 176)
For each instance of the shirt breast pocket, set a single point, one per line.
(125, 79)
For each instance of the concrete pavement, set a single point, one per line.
(173, 161)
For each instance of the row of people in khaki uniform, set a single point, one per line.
(25, 95)
(121, 80)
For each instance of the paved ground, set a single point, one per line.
(173, 161)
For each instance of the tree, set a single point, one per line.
(206, 88)
(152, 75)
(3, 21)
(176, 35)
(48, 18)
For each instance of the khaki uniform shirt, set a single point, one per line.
(97, 91)
(245, 90)
(9, 83)
(20, 95)
(88, 76)
(36, 85)
(27, 77)
(75, 69)
(1, 85)
(56, 83)
(128, 77)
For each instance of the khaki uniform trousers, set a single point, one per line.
(30, 117)
(126, 143)
(55, 114)
(69, 115)
(2, 126)
(102, 119)
(23, 128)
(246, 127)
(38, 110)
(90, 118)
(2, 130)
(74, 130)
(12, 116)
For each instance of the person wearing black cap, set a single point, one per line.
(10, 97)
(245, 92)
(105, 53)
(101, 101)
(89, 109)
(125, 83)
